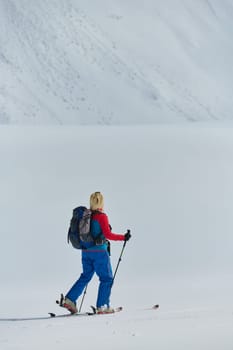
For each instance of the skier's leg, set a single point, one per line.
(104, 271)
(87, 274)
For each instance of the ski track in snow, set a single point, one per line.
(62, 65)
(186, 103)
(51, 67)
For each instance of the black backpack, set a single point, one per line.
(79, 233)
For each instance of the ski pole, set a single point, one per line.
(119, 260)
(84, 293)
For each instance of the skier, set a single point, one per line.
(96, 259)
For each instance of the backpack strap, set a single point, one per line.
(99, 239)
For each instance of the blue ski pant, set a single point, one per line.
(94, 261)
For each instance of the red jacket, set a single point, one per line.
(102, 219)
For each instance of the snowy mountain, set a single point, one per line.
(115, 62)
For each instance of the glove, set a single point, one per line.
(127, 235)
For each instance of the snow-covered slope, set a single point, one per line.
(172, 186)
(115, 62)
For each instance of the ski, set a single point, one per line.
(65, 315)
(94, 312)
(80, 314)
(91, 313)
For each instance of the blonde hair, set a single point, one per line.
(96, 201)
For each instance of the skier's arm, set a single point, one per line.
(104, 224)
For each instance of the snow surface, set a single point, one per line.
(171, 185)
(115, 62)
